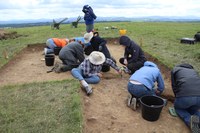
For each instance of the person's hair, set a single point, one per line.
(71, 40)
(82, 44)
(96, 33)
(185, 65)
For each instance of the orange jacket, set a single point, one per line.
(60, 42)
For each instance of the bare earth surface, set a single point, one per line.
(105, 111)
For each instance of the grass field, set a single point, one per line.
(42, 107)
(160, 39)
(56, 106)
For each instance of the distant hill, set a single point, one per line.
(40, 22)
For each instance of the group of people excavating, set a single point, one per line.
(88, 56)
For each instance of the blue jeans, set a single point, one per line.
(139, 90)
(187, 106)
(50, 46)
(78, 74)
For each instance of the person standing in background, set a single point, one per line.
(89, 17)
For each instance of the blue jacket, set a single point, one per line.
(89, 16)
(77, 39)
(148, 75)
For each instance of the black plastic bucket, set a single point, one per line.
(151, 107)
(57, 50)
(49, 59)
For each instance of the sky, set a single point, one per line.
(52, 9)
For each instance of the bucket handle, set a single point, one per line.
(164, 100)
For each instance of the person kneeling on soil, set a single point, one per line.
(186, 87)
(89, 71)
(54, 42)
(72, 54)
(142, 83)
(134, 57)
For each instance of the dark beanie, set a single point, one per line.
(124, 40)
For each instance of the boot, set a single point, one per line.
(88, 90)
(65, 68)
(57, 67)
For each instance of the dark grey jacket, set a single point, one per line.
(72, 53)
(185, 81)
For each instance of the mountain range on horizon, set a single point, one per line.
(107, 19)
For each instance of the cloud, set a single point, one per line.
(36, 9)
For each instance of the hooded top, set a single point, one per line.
(185, 81)
(133, 52)
(73, 53)
(89, 14)
(124, 40)
(148, 75)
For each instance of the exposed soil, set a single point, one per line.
(8, 35)
(105, 111)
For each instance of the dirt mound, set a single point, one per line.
(105, 111)
(8, 35)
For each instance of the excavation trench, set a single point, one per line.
(105, 110)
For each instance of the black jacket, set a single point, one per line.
(133, 52)
(185, 81)
(96, 43)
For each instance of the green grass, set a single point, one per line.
(41, 107)
(160, 39)
(56, 106)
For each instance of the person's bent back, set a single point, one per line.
(186, 87)
(142, 83)
(185, 81)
